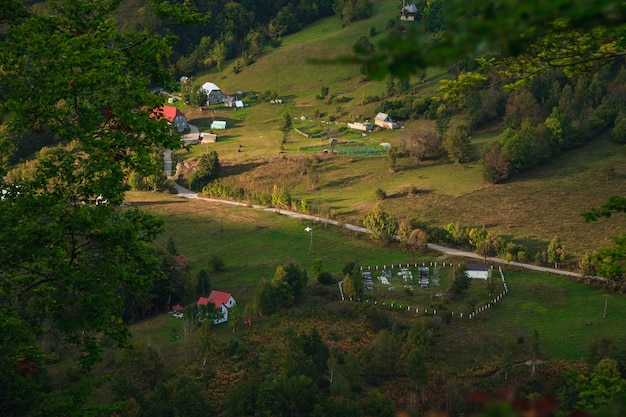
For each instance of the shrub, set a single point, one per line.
(238, 67)
(217, 263)
(326, 278)
(380, 194)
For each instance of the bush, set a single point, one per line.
(208, 170)
(380, 194)
(217, 263)
(326, 278)
(238, 67)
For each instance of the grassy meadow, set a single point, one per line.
(566, 314)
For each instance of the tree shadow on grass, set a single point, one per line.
(409, 191)
(345, 181)
(237, 169)
(225, 138)
(204, 123)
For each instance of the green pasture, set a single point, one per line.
(254, 242)
(566, 314)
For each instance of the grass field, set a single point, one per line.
(567, 315)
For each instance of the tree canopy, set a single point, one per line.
(70, 253)
(528, 36)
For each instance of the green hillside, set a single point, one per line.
(529, 209)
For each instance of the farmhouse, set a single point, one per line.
(478, 271)
(172, 115)
(408, 12)
(223, 301)
(383, 120)
(213, 93)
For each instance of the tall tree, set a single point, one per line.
(611, 262)
(534, 350)
(218, 54)
(416, 369)
(69, 253)
(381, 224)
(556, 251)
(459, 144)
(285, 125)
(460, 280)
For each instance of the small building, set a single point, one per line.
(218, 124)
(223, 301)
(385, 121)
(174, 116)
(191, 138)
(233, 103)
(213, 93)
(365, 127)
(477, 271)
(208, 137)
(408, 12)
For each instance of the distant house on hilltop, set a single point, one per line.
(223, 301)
(408, 12)
(213, 93)
(172, 115)
(383, 120)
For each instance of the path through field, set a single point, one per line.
(185, 193)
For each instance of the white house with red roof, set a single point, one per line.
(223, 301)
(172, 115)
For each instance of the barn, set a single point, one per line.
(213, 93)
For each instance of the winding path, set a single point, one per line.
(186, 193)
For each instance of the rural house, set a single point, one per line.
(174, 116)
(408, 12)
(383, 120)
(213, 93)
(223, 301)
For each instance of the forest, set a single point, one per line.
(80, 265)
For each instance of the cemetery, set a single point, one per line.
(424, 288)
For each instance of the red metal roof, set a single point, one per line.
(202, 301)
(219, 297)
(167, 112)
(216, 297)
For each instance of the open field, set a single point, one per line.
(566, 314)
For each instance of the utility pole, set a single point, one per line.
(310, 231)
